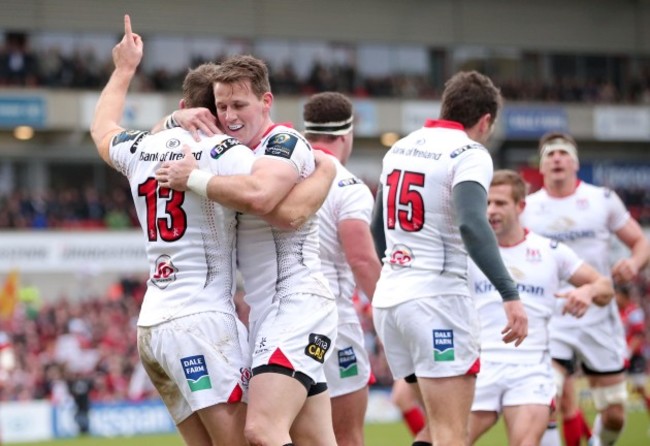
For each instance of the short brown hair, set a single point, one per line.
(240, 68)
(469, 95)
(325, 108)
(552, 136)
(197, 87)
(507, 177)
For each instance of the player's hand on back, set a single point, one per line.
(174, 174)
(195, 119)
(127, 54)
(516, 329)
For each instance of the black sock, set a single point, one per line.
(422, 443)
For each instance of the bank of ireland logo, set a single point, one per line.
(348, 363)
(443, 345)
(196, 372)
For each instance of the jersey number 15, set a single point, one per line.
(401, 194)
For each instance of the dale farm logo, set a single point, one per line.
(443, 345)
(196, 372)
(348, 363)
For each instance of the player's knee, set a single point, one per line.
(607, 396)
(257, 433)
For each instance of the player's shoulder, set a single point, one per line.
(344, 178)
(593, 190)
(541, 241)
(282, 140)
(131, 138)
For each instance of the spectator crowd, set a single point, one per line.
(50, 67)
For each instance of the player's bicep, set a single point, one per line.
(276, 178)
(104, 144)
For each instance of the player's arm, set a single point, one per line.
(192, 120)
(633, 237)
(377, 225)
(470, 204)
(590, 287)
(259, 193)
(110, 106)
(359, 249)
(306, 197)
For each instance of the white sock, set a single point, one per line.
(597, 427)
(601, 436)
(551, 436)
(608, 437)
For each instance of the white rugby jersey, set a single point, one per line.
(190, 239)
(275, 263)
(584, 221)
(348, 199)
(538, 265)
(425, 255)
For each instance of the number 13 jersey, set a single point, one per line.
(190, 239)
(425, 255)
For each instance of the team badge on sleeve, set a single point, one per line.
(129, 136)
(349, 182)
(443, 345)
(281, 145)
(196, 372)
(223, 147)
(460, 150)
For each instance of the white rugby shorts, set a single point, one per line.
(433, 337)
(600, 347)
(348, 367)
(296, 332)
(196, 361)
(501, 384)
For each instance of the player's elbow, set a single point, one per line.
(260, 203)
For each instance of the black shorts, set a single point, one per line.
(637, 365)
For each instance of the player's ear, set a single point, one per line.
(181, 103)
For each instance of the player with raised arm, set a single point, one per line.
(584, 217)
(188, 307)
(292, 311)
(519, 382)
(348, 258)
(431, 214)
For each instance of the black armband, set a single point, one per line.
(170, 122)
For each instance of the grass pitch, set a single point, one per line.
(389, 434)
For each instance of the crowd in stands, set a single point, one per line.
(68, 208)
(72, 208)
(22, 66)
(58, 342)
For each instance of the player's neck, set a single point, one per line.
(561, 188)
(513, 237)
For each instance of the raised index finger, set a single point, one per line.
(127, 25)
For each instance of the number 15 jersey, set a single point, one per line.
(425, 255)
